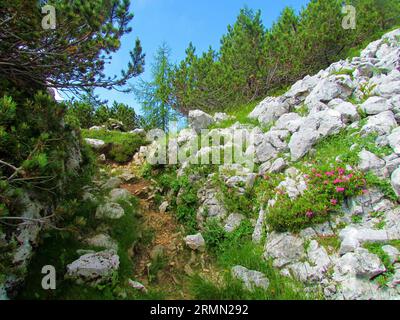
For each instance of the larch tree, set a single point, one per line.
(155, 96)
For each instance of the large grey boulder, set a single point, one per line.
(382, 123)
(352, 238)
(301, 89)
(389, 89)
(375, 105)
(284, 249)
(110, 210)
(331, 88)
(251, 279)
(392, 253)
(270, 109)
(301, 142)
(315, 126)
(195, 242)
(113, 182)
(277, 138)
(96, 144)
(360, 263)
(371, 49)
(394, 140)
(353, 288)
(233, 222)
(199, 120)
(289, 121)
(278, 166)
(315, 268)
(119, 194)
(262, 152)
(369, 161)
(346, 109)
(94, 268)
(395, 179)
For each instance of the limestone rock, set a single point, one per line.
(258, 229)
(251, 279)
(394, 140)
(113, 182)
(119, 194)
(195, 242)
(376, 105)
(94, 268)
(289, 121)
(163, 207)
(392, 252)
(278, 166)
(395, 179)
(360, 263)
(95, 143)
(110, 210)
(369, 161)
(104, 241)
(348, 111)
(199, 120)
(382, 123)
(270, 109)
(352, 238)
(315, 126)
(284, 248)
(233, 222)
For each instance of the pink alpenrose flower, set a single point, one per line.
(309, 214)
(334, 202)
(339, 189)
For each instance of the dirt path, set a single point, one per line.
(167, 274)
(179, 262)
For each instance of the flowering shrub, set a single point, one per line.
(325, 193)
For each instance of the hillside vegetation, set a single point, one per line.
(307, 207)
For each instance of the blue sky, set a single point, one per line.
(177, 22)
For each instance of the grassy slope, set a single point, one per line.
(123, 145)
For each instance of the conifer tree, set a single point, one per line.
(241, 55)
(155, 95)
(71, 56)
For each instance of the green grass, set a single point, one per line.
(356, 219)
(249, 256)
(240, 114)
(348, 72)
(330, 243)
(235, 202)
(122, 145)
(376, 248)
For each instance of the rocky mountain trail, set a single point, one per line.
(162, 261)
(292, 138)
